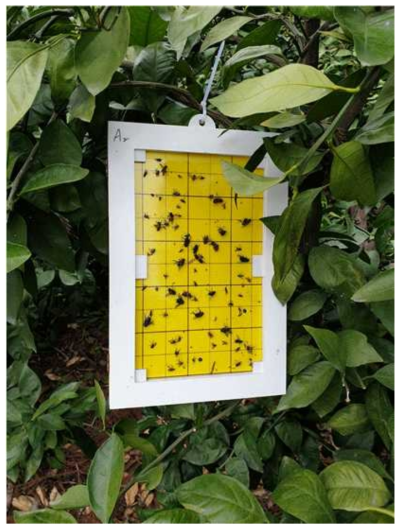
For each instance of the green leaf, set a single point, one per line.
(357, 350)
(385, 376)
(51, 422)
(221, 499)
(328, 343)
(223, 30)
(379, 410)
(102, 405)
(63, 393)
(382, 160)
(306, 305)
(246, 183)
(330, 398)
(16, 255)
(146, 26)
(373, 33)
(303, 495)
(186, 410)
(59, 145)
(15, 292)
(174, 516)
(143, 445)
(385, 313)
(290, 231)
(46, 516)
(187, 21)
(62, 70)
(288, 87)
(300, 357)
(374, 517)
(384, 99)
(100, 53)
(238, 469)
(54, 175)
(105, 477)
(377, 131)
(364, 457)
(321, 12)
(282, 120)
(307, 386)
(350, 419)
(291, 434)
(74, 498)
(151, 477)
(246, 447)
(26, 63)
(284, 289)
(287, 157)
(353, 487)
(205, 453)
(351, 177)
(335, 270)
(379, 289)
(243, 57)
(267, 33)
(82, 104)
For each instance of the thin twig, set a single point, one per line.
(39, 16)
(226, 412)
(180, 94)
(16, 182)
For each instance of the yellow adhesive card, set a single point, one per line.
(199, 310)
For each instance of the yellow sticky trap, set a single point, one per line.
(199, 311)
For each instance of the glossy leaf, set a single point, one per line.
(82, 104)
(292, 223)
(74, 498)
(283, 120)
(285, 88)
(379, 410)
(62, 70)
(101, 401)
(353, 487)
(302, 494)
(288, 156)
(174, 516)
(46, 516)
(265, 34)
(187, 21)
(146, 26)
(243, 57)
(307, 386)
(306, 305)
(285, 288)
(378, 289)
(105, 477)
(385, 376)
(377, 131)
(26, 63)
(246, 183)
(16, 255)
(221, 499)
(351, 177)
(321, 12)
(373, 33)
(328, 343)
(100, 53)
(350, 419)
(300, 357)
(223, 30)
(364, 457)
(54, 175)
(356, 348)
(59, 145)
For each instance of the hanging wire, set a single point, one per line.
(209, 84)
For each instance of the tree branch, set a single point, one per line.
(357, 104)
(39, 16)
(180, 94)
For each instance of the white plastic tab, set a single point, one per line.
(140, 376)
(141, 267)
(140, 155)
(258, 367)
(258, 266)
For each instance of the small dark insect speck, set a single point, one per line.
(179, 301)
(165, 314)
(175, 340)
(210, 334)
(245, 221)
(156, 172)
(171, 368)
(222, 231)
(151, 251)
(215, 246)
(200, 359)
(238, 363)
(180, 262)
(206, 239)
(238, 341)
(145, 173)
(187, 240)
(146, 216)
(164, 169)
(176, 193)
(177, 352)
(226, 330)
(148, 320)
(244, 259)
(198, 314)
(186, 294)
(211, 293)
(171, 291)
(153, 345)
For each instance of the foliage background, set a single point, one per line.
(324, 452)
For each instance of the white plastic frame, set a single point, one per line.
(269, 378)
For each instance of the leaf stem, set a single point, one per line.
(226, 412)
(39, 16)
